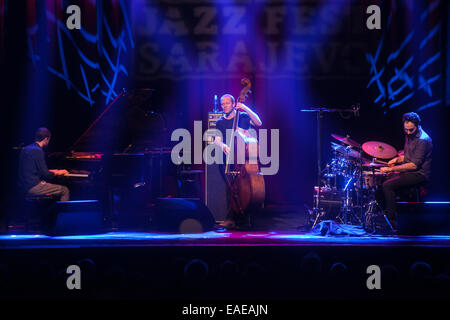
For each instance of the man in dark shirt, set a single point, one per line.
(414, 166)
(247, 118)
(33, 171)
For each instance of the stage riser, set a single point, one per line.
(422, 218)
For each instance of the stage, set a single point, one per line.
(218, 238)
(133, 132)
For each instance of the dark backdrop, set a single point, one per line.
(298, 54)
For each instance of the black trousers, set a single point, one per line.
(394, 184)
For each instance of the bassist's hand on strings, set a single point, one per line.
(225, 149)
(223, 146)
(255, 120)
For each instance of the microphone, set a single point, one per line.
(216, 104)
(127, 148)
(356, 110)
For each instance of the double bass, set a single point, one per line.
(245, 181)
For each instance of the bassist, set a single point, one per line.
(247, 118)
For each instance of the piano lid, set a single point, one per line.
(124, 126)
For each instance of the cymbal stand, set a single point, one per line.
(359, 193)
(373, 208)
(347, 211)
(317, 211)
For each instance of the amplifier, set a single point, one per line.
(215, 186)
(212, 119)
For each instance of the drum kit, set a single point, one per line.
(348, 183)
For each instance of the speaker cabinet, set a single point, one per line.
(181, 215)
(76, 218)
(215, 186)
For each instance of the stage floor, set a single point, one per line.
(216, 238)
(273, 226)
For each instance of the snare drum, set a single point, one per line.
(372, 179)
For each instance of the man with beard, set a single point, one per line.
(414, 167)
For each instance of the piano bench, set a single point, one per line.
(34, 212)
(41, 198)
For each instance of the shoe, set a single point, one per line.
(243, 227)
(228, 224)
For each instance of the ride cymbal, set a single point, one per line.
(378, 149)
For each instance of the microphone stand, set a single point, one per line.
(319, 115)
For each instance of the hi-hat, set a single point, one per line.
(372, 164)
(379, 150)
(346, 140)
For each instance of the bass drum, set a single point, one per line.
(330, 202)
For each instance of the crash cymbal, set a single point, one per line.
(346, 140)
(379, 150)
(337, 147)
(345, 150)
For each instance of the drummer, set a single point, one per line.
(414, 167)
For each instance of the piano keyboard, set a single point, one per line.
(76, 175)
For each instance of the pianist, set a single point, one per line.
(33, 171)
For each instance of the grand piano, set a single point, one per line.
(120, 159)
